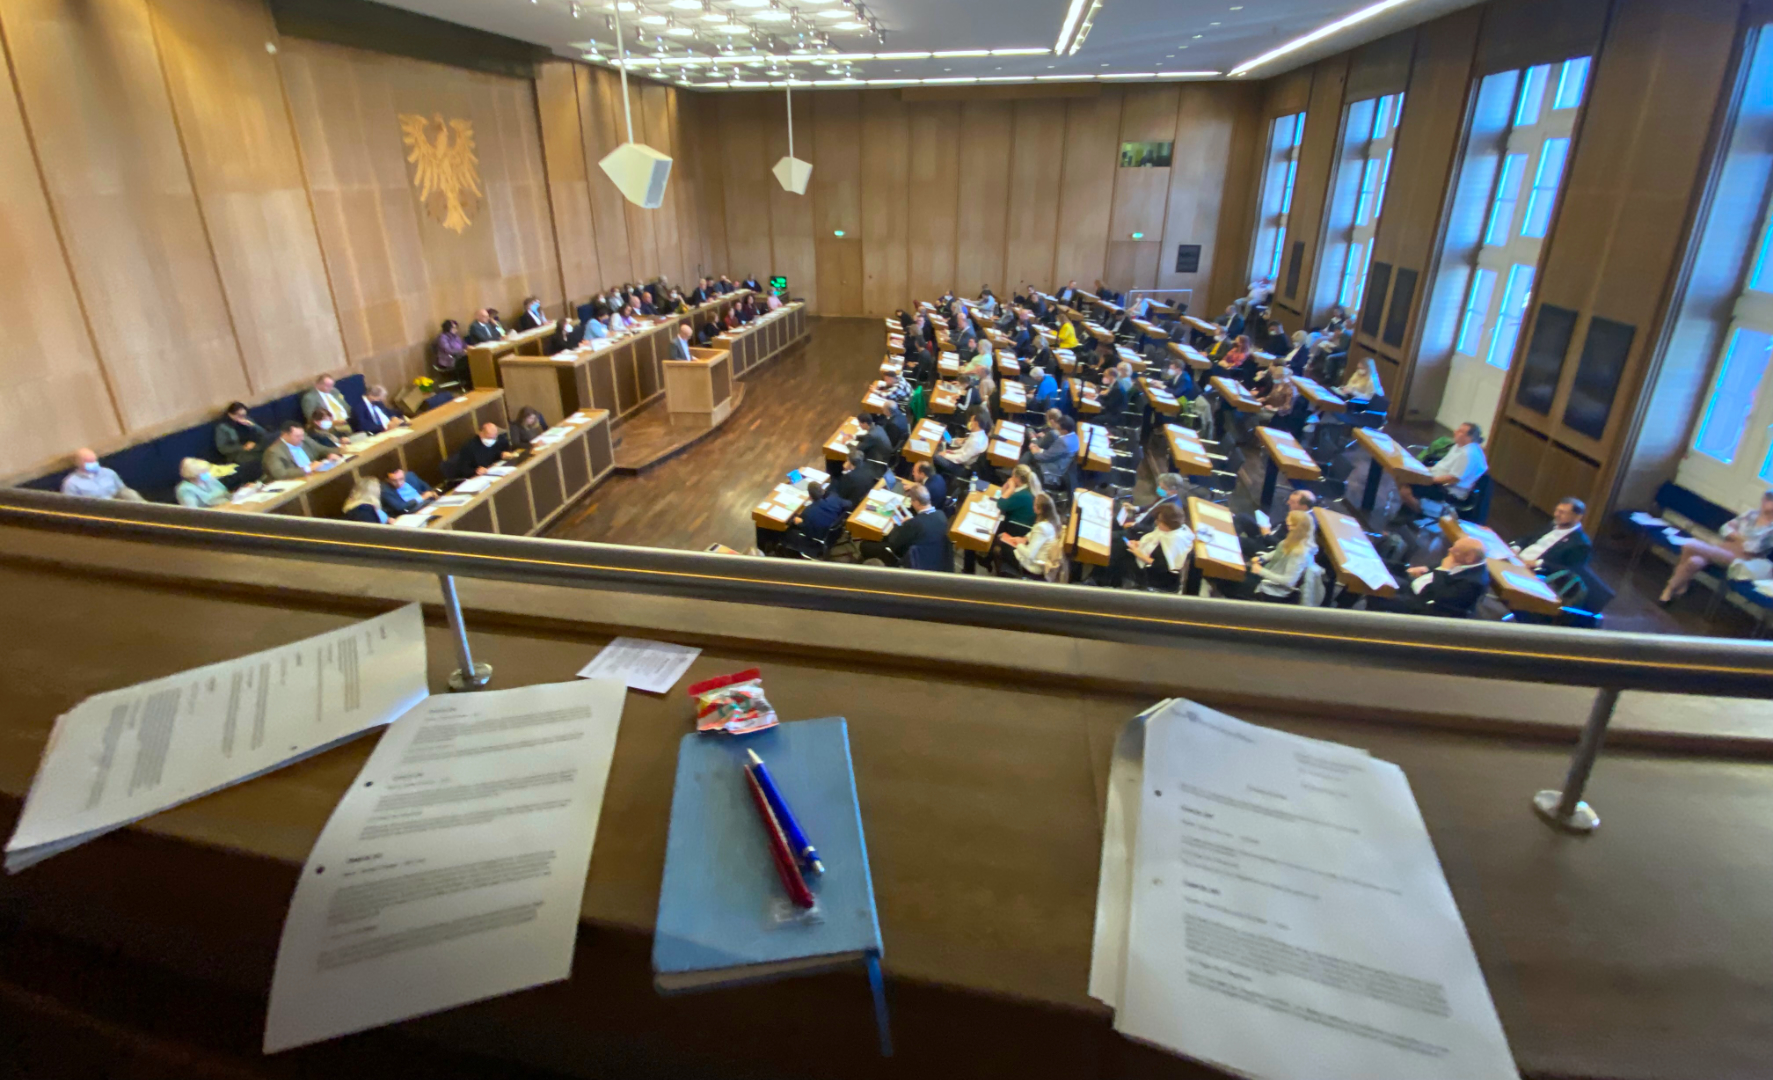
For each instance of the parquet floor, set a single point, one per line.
(704, 495)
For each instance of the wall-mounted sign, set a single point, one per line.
(1187, 258)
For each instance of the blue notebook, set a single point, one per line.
(724, 917)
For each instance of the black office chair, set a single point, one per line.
(1223, 481)
(1475, 507)
(1334, 483)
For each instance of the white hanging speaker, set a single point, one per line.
(639, 172)
(791, 172)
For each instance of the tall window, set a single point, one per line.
(1536, 151)
(1358, 195)
(1277, 194)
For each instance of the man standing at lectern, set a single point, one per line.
(680, 349)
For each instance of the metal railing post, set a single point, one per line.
(470, 676)
(1565, 808)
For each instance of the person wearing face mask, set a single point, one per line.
(90, 480)
(532, 316)
(325, 395)
(480, 453)
(323, 433)
(294, 455)
(198, 489)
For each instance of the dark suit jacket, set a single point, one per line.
(1570, 553)
(362, 419)
(680, 349)
(474, 454)
(921, 540)
(698, 296)
(1451, 595)
(937, 486)
(394, 505)
(853, 486)
(526, 321)
(877, 444)
(365, 513)
(479, 333)
(818, 519)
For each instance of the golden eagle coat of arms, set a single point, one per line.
(446, 173)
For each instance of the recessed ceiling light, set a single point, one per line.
(1197, 37)
(836, 13)
(1319, 34)
(1021, 52)
(1212, 24)
(902, 56)
(956, 54)
(715, 17)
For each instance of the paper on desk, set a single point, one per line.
(1524, 582)
(501, 470)
(123, 755)
(1364, 563)
(977, 525)
(414, 521)
(873, 520)
(475, 484)
(1289, 917)
(653, 666)
(452, 500)
(454, 868)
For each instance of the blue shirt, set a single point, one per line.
(595, 328)
(299, 455)
(102, 483)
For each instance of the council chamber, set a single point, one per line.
(1090, 538)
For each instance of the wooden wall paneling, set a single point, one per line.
(643, 224)
(1317, 158)
(563, 155)
(1086, 185)
(1037, 149)
(56, 398)
(1411, 228)
(672, 218)
(227, 96)
(792, 253)
(1148, 114)
(516, 186)
(686, 198)
(1213, 200)
(710, 164)
(1132, 264)
(600, 120)
(91, 89)
(836, 191)
(745, 183)
(1286, 94)
(1381, 67)
(933, 193)
(1521, 33)
(886, 151)
(982, 213)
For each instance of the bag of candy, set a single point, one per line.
(733, 703)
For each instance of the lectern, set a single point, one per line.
(699, 392)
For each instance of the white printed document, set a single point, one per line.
(1288, 915)
(120, 756)
(653, 666)
(454, 868)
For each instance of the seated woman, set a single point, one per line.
(320, 430)
(1015, 500)
(238, 439)
(1278, 402)
(1748, 535)
(1162, 554)
(1274, 578)
(1238, 362)
(1067, 335)
(365, 503)
(197, 489)
(1039, 555)
(1362, 384)
(449, 354)
(526, 427)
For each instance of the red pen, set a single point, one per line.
(784, 859)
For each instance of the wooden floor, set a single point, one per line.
(704, 495)
(649, 437)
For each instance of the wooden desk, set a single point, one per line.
(875, 515)
(767, 337)
(699, 392)
(1161, 400)
(1084, 397)
(895, 344)
(421, 448)
(1009, 365)
(945, 396)
(1094, 452)
(1202, 326)
(1510, 578)
(1130, 358)
(1012, 397)
(873, 401)
(618, 374)
(1357, 562)
(1322, 400)
(1067, 360)
(837, 447)
(1098, 332)
(1390, 457)
(1285, 455)
(1089, 535)
(1007, 439)
(948, 365)
(1235, 395)
(892, 365)
(557, 472)
(924, 441)
(1188, 455)
(1189, 355)
(483, 358)
(1154, 332)
(976, 524)
(1217, 553)
(779, 507)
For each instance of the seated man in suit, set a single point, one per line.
(700, 294)
(532, 316)
(751, 283)
(818, 517)
(1564, 545)
(375, 414)
(874, 442)
(919, 542)
(293, 455)
(90, 480)
(933, 482)
(1254, 538)
(483, 329)
(489, 447)
(1451, 589)
(325, 395)
(1454, 475)
(859, 478)
(1134, 522)
(405, 493)
(1119, 391)
(1054, 459)
(1065, 295)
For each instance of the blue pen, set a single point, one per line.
(797, 841)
